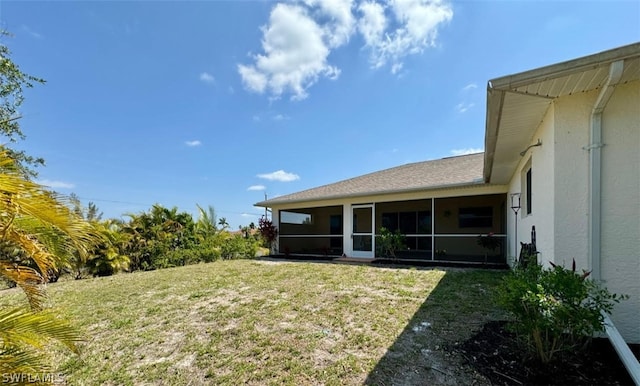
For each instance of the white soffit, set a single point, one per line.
(520, 113)
(516, 104)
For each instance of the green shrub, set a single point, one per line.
(388, 243)
(209, 254)
(238, 247)
(556, 310)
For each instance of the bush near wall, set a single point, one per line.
(555, 310)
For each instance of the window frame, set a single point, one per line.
(483, 218)
(528, 192)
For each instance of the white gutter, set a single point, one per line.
(595, 162)
(595, 183)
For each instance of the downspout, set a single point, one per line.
(595, 183)
(595, 162)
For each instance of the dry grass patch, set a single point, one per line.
(258, 322)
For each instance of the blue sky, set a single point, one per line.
(220, 102)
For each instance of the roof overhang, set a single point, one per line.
(516, 104)
(274, 202)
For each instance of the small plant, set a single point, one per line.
(556, 310)
(388, 243)
(489, 242)
(268, 232)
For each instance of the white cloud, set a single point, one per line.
(414, 28)
(256, 187)
(300, 35)
(470, 150)
(340, 22)
(373, 22)
(464, 107)
(470, 86)
(279, 175)
(281, 117)
(193, 143)
(31, 32)
(295, 55)
(56, 184)
(207, 78)
(396, 67)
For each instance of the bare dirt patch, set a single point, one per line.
(494, 352)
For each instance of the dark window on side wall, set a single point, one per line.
(528, 198)
(478, 217)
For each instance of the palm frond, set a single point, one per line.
(28, 279)
(39, 222)
(23, 336)
(24, 328)
(16, 362)
(32, 247)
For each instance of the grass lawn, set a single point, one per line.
(262, 322)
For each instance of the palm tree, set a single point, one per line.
(207, 224)
(106, 257)
(38, 233)
(155, 233)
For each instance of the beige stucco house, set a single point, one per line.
(563, 141)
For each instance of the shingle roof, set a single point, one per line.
(435, 174)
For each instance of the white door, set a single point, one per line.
(363, 231)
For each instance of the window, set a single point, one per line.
(528, 192)
(424, 222)
(295, 218)
(390, 221)
(335, 224)
(409, 223)
(478, 217)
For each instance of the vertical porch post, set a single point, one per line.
(347, 228)
(433, 228)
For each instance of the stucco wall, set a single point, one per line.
(620, 240)
(621, 205)
(543, 206)
(572, 126)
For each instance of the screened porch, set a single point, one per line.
(439, 229)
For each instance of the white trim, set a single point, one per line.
(622, 349)
(467, 234)
(291, 236)
(433, 229)
(372, 233)
(476, 189)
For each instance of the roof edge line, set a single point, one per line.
(264, 204)
(603, 58)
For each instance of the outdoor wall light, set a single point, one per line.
(515, 202)
(515, 206)
(522, 153)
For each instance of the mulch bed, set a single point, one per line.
(495, 353)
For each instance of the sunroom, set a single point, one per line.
(443, 210)
(435, 229)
